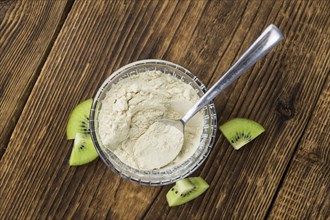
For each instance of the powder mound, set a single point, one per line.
(134, 104)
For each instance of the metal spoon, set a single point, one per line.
(269, 38)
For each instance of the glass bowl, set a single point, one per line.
(161, 176)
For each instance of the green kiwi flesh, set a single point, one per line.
(186, 190)
(83, 150)
(240, 131)
(79, 119)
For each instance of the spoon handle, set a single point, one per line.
(265, 42)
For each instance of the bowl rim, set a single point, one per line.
(105, 158)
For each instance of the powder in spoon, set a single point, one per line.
(158, 146)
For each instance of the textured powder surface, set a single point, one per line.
(135, 103)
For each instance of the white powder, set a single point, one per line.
(134, 104)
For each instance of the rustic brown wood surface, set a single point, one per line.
(55, 54)
(27, 30)
(305, 192)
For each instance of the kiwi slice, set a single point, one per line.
(83, 150)
(79, 119)
(186, 190)
(240, 131)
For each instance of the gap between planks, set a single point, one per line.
(35, 77)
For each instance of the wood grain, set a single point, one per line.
(305, 193)
(276, 96)
(98, 37)
(26, 33)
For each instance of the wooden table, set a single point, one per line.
(55, 54)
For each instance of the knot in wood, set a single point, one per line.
(285, 109)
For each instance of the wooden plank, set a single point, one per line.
(100, 36)
(305, 193)
(26, 32)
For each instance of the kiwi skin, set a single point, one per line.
(240, 131)
(79, 119)
(186, 190)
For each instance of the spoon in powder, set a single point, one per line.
(172, 141)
